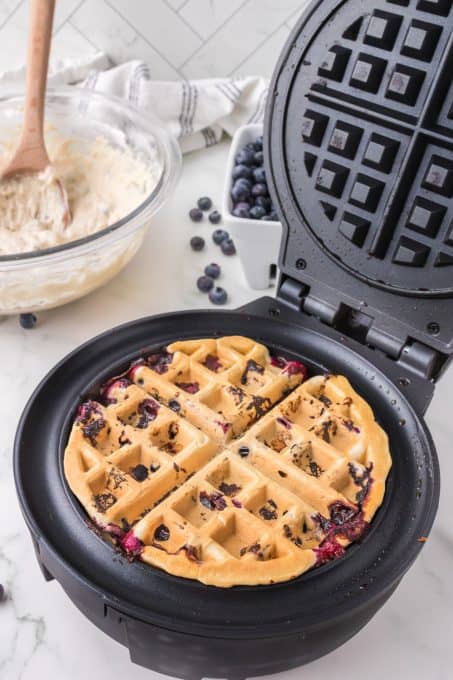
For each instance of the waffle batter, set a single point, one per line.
(104, 184)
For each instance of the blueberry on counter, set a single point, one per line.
(218, 296)
(205, 283)
(227, 246)
(257, 212)
(220, 235)
(197, 243)
(242, 172)
(204, 203)
(215, 217)
(196, 215)
(212, 270)
(28, 321)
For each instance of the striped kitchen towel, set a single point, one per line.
(197, 112)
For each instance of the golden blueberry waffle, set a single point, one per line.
(214, 461)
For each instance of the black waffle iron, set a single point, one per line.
(359, 151)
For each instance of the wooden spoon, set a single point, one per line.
(31, 154)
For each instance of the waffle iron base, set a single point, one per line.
(184, 628)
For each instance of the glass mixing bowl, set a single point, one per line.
(48, 278)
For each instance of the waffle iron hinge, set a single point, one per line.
(410, 354)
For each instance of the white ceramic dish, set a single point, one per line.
(257, 241)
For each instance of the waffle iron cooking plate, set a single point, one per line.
(342, 306)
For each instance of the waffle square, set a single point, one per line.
(214, 461)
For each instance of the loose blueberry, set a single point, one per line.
(258, 158)
(240, 191)
(257, 212)
(258, 145)
(227, 246)
(264, 201)
(241, 210)
(205, 283)
(204, 203)
(219, 235)
(139, 473)
(197, 243)
(196, 215)
(212, 270)
(215, 217)
(218, 296)
(242, 172)
(259, 189)
(250, 146)
(27, 321)
(259, 175)
(245, 157)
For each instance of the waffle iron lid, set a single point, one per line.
(359, 154)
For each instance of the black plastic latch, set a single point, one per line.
(413, 356)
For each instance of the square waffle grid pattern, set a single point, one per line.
(382, 73)
(197, 504)
(133, 435)
(219, 385)
(258, 500)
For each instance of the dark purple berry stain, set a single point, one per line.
(269, 510)
(253, 367)
(106, 391)
(131, 545)
(190, 387)
(284, 422)
(290, 367)
(213, 501)
(345, 521)
(363, 480)
(229, 489)
(147, 410)
(162, 533)
(160, 362)
(213, 363)
(90, 417)
(139, 473)
(349, 425)
(174, 405)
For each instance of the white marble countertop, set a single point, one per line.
(42, 635)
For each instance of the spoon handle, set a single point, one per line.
(41, 22)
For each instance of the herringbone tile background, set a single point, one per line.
(177, 38)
